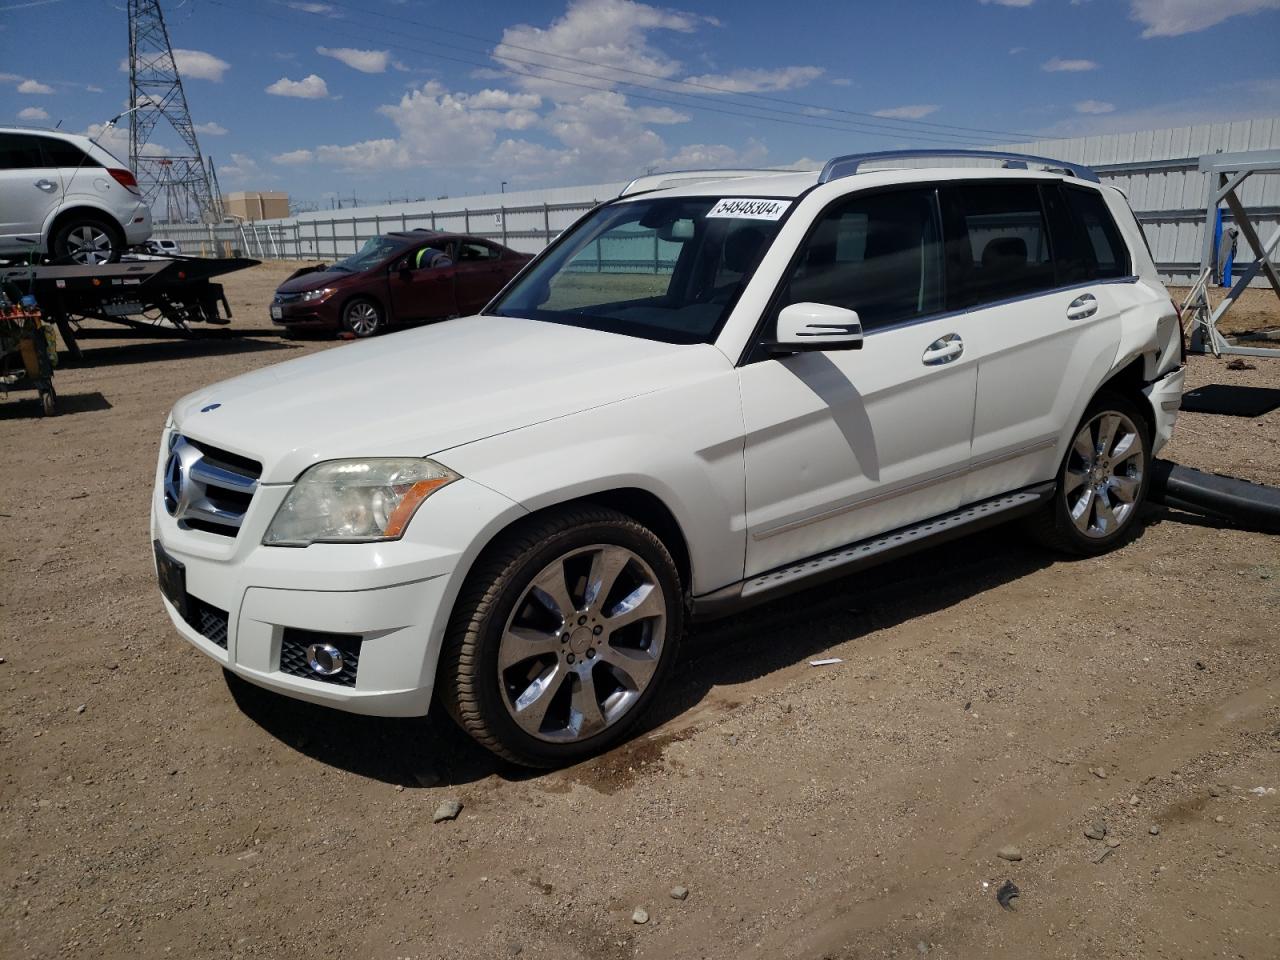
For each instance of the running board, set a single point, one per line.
(866, 553)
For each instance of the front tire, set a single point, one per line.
(1102, 481)
(88, 241)
(362, 317)
(562, 636)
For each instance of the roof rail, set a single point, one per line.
(656, 181)
(847, 166)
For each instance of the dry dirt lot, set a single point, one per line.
(989, 695)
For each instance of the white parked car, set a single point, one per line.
(705, 394)
(64, 195)
(163, 247)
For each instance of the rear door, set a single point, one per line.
(1048, 322)
(480, 274)
(28, 191)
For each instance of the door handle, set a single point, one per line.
(1085, 305)
(46, 185)
(943, 350)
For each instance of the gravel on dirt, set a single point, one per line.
(818, 813)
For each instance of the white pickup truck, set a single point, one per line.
(712, 390)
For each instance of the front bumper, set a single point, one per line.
(1165, 398)
(316, 314)
(396, 596)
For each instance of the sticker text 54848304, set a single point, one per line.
(750, 209)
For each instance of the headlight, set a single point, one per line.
(355, 501)
(316, 294)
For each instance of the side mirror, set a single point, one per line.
(402, 267)
(816, 326)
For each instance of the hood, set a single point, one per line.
(420, 392)
(314, 278)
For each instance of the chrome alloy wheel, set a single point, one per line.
(582, 643)
(362, 318)
(89, 244)
(1104, 474)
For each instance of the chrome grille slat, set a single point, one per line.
(208, 489)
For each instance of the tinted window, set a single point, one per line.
(19, 152)
(59, 153)
(470, 252)
(1102, 245)
(1072, 261)
(997, 243)
(879, 255)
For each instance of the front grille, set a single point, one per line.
(293, 654)
(219, 486)
(207, 620)
(287, 298)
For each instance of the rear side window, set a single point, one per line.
(997, 243)
(880, 255)
(1102, 245)
(60, 153)
(19, 151)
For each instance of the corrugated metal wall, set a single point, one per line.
(1155, 168)
(1157, 171)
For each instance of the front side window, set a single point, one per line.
(471, 252)
(666, 269)
(997, 243)
(880, 255)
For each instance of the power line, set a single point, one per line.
(910, 124)
(808, 123)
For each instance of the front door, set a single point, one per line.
(422, 288)
(28, 191)
(844, 445)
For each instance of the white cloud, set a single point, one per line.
(1009, 3)
(1095, 106)
(310, 87)
(293, 158)
(1014, 51)
(1059, 65)
(33, 113)
(34, 86)
(912, 111)
(366, 61)
(325, 9)
(211, 129)
(841, 82)
(198, 65)
(755, 81)
(1172, 18)
(243, 169)
(611, 33)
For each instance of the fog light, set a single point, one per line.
(325, 659)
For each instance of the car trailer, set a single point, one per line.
(158, 296)
(1227, 173)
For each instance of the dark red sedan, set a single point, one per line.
(395, 279)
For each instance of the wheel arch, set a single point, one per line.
(60, 217)
(1129, 381)
(373, 298)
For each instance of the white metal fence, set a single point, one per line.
(1157, 170)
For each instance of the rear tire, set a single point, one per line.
(362, 317)
(1102, 481)
(562, 635)
(87, 240)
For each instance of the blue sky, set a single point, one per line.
(419, 98)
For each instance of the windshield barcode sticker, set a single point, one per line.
(749, 209)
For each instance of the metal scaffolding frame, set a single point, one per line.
(1227, 173)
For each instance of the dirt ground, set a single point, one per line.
(988, 694)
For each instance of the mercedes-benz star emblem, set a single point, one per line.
(174, 479)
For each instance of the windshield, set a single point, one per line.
(664, 269)
(374, 251)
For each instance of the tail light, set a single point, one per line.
(126, 179)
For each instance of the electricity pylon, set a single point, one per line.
(180, 180)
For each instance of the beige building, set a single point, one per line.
(250, 205)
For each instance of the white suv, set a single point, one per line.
(706, 393)
(66, 196)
